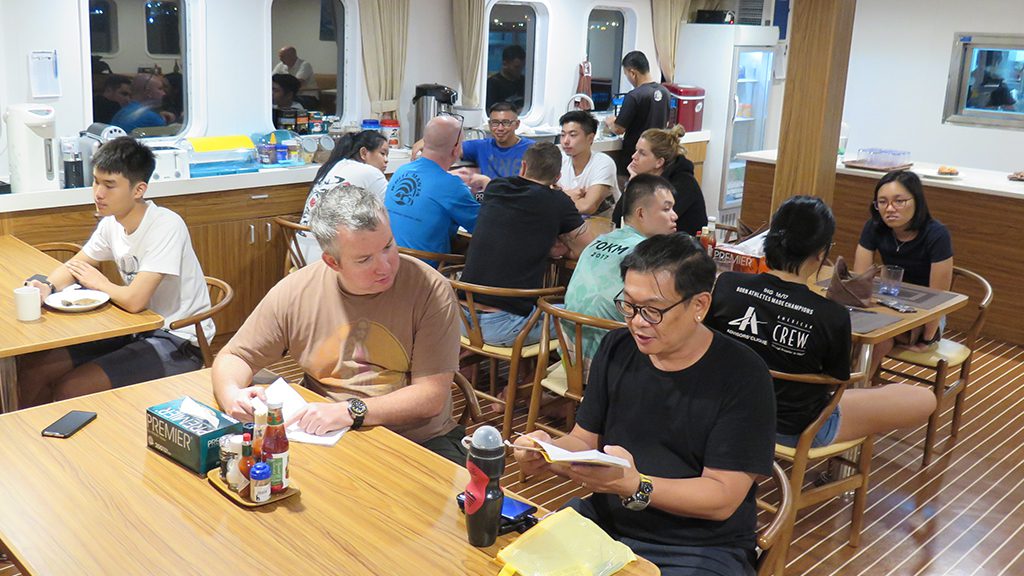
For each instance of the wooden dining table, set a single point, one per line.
(53, 329)
(101, 502)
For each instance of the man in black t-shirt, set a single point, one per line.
(520, 221)
(117, 91)
(646, 106)
(509, 84)
(692, 411)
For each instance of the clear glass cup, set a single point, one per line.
(891, 277)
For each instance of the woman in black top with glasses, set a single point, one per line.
(903, 233)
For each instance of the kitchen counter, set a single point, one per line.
(992, 182)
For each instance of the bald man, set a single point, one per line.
(426, 203)
(143, 111)
(290, 63)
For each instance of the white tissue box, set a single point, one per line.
(188, 440)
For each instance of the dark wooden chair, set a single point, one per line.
(294, 258)
(442, 260)
(772, 558)
(221, 295)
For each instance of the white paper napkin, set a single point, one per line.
(197, 410)
(292, 402)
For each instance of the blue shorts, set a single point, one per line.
(824, 437)
(138, 358)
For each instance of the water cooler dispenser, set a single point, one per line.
(31, 140)
(430, 100)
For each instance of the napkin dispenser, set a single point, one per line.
(187, 432)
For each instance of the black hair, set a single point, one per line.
(125, 156)
(502, 106)
(801, 227)
(115, 81)
(637, 61)
(638, 189)
(287, 82)
(912, 183)
(348, 149)
(513, 52)
(586, 120)
(678, 253)
(543, 162)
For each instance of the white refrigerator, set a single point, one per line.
(734, 66)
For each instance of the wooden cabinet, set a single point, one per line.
(233, 234)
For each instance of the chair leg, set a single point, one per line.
(510, 398)
(860, 497)
(535, 396)
(933, 420)
(493, 369)
(958, 403)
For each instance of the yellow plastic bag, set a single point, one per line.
(564, 544)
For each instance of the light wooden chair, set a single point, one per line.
(476, 350)
(62, 251)
(293, 259)
(946, 357)
(442, 260)
(221, 295)
(471, 413)
(803, 456)
(565, 378)
(772, 559)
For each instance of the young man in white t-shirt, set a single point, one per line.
(153, 252)
(587, 177)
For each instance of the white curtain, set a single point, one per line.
(384, 25)
(468, 19)
(667, 14)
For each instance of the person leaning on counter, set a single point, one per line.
(375, 332)
(645, 106)
(153, 252)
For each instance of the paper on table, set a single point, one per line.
(292, 402)
(554, 454)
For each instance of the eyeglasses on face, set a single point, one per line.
(459, 117)
(504, 123)
(650, 314)
(897, 203)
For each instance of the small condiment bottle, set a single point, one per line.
(247, 460)
(259, 475)
(236, 481)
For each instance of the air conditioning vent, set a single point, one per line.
(752, 13)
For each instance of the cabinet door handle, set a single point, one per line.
(252, 233)
(267, 224)
(259, 196)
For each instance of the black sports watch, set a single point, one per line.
(642, 497)
(357, 410)
(42, 279)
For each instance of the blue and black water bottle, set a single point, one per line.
(484, 498)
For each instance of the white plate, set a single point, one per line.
(935, 174)
(56, 301)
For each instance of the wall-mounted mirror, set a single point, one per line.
(605, 30)
(308, 39)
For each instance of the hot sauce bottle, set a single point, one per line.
(275, 447)
(246, 462)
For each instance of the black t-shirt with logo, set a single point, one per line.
(793, 329)
(932, 244)
(519, 221)
(718, 413)
(646, 106)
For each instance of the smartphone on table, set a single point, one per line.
(68, 424)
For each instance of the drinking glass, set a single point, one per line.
(892, 276)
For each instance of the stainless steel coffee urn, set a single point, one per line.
(430, 100)
(89, 140)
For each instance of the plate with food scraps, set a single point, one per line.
(936, 174)
(77, 300)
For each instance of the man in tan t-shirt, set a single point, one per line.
(375, 331)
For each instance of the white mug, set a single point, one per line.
(26, 303)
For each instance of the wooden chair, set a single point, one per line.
(772, 559)
(947, 356)
(293, 259)
(443, 260)
(221, 294)
(62, 251)
(803, 455)
(471, 413)
(566, 377)
(476, 350)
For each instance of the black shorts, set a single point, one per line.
(138, 358)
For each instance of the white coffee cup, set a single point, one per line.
(26, 303)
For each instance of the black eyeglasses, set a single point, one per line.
(505, 123)
(651, 314)
(459, 117)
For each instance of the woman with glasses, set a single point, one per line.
(659, 152)
(798, 331)
(359, 160)
(903, 233)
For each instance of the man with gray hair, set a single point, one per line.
(376, 332)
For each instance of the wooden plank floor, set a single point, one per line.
(963, 515)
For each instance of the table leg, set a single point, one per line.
(8, 384)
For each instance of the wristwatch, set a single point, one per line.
(642, 497)
(43, 280)
(357, 410)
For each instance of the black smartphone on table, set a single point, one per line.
(512, 510)
(68, 424)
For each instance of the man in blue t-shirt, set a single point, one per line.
(426, 204)
(144, 109)
(500, 156)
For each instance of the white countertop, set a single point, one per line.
(615, 143)
(992, 182)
